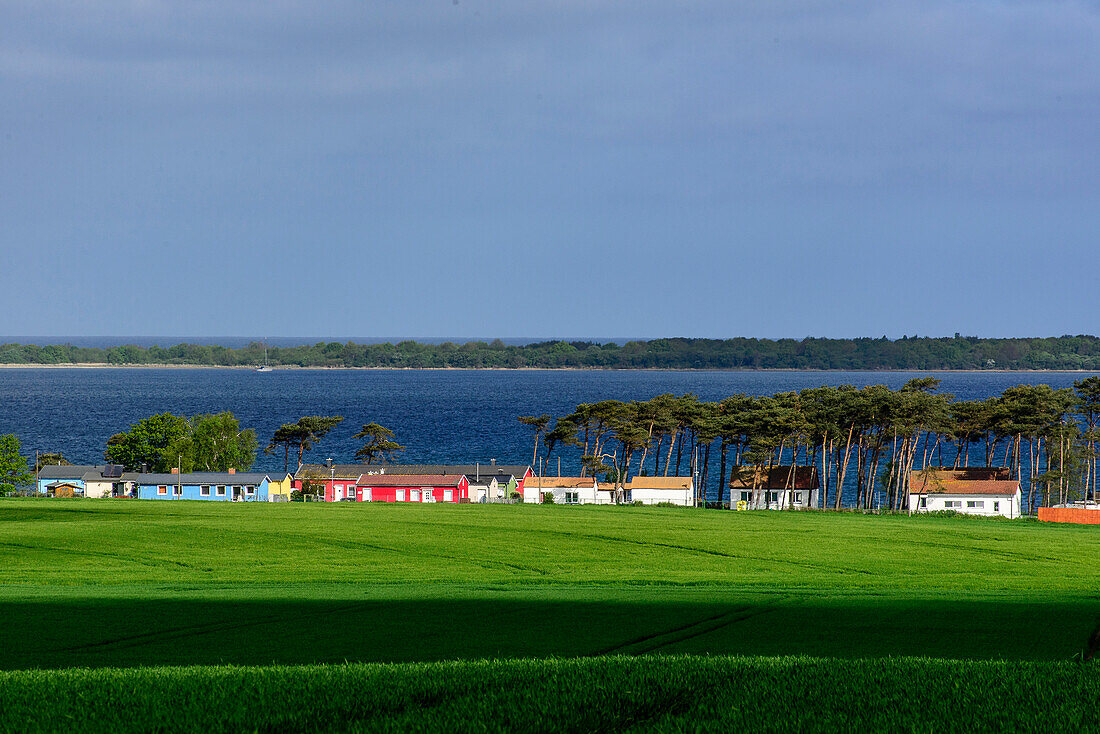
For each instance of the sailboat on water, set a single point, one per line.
(266, 367)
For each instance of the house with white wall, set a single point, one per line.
(780, 487)
(658, 490)
(565, 490)
(989, 491)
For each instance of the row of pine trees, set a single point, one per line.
(864, 442)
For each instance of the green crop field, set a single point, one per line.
(129, 584)
(604, 694)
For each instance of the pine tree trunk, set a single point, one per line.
(671, 445)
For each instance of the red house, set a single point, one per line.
(393, 483)
(413, 488)
(339, 481)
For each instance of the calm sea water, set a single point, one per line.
(441, 416)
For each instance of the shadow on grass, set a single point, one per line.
(127, 632)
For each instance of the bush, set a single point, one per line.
(547, 498)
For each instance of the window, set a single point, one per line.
(162, 489)
(177, 490)
(798, 498)
(414, 495)
(746, 496)
(448, 495)
(204, 490)
(976, 504)
(950, 504)
(924, 502)
(400, 495)
(996, 506)
(773, 496)
(220, 490)
(572, 498)
(249, 490)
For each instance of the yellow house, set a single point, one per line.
(279, 487)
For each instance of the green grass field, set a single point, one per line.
(122, 584)
(597, 695)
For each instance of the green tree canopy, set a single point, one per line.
(51, 459)
(13, 465)
(301, 436)
(146, 443)
(379, 445)
(214, 443)
(201, 443)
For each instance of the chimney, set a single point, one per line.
(493, 462)
(144, 468)
(175, 470)
(328, 463)
(232, 470)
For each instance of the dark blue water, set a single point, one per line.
(441, 416)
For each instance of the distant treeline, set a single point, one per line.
(907, 353)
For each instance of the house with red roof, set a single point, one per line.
(353, 483)
(990, 491)
(413, 488)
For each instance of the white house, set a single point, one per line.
(655, 490)
(110, 481)
(774, 488)
(979, 491)
(565, 490)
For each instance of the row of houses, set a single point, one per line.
(976, 491)
(450, 483)
(111, 481)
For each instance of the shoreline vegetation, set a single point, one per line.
(949, 354)
(318, 368)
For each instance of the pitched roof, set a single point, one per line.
(561, 482)
(982, 480)
(778, 477)
(206, 477)
(659, 483)
(411, 480)
(337, 471)
(68, 471)
(471, 470)
(474, 472)
(98, 476)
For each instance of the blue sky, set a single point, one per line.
(550, 168)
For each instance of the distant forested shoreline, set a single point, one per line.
(907, 353)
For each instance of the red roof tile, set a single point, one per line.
(982, 480)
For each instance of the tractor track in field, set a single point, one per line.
(489, 565)
(683, 633)
(159, 563)
(195, 630)
(1006, 554)
(710, 552)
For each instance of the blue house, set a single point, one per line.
(218, 486)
